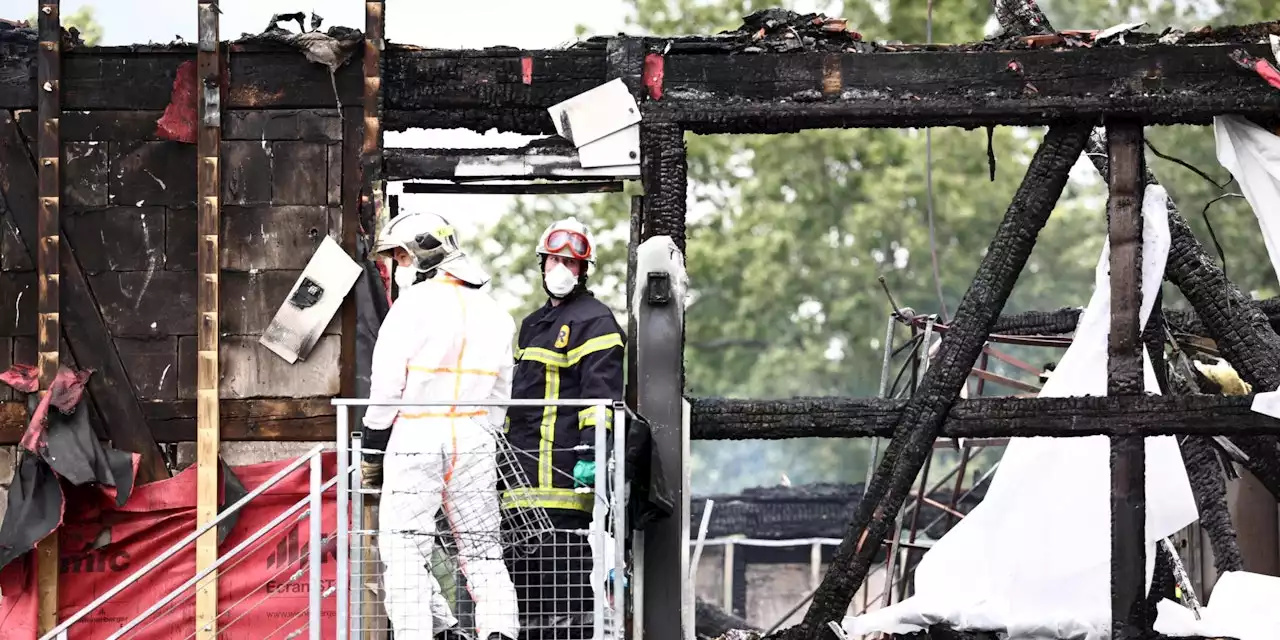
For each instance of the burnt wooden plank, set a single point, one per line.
(100, 126)
(122, 238)
(271, 237)
(18, 297)
(484, 89)
(6, 361)
(139, 77)
(180, 239)
(246, 172)
(152, 173)
(152, 366)
(334, 180)
(13, 253)
(313, 125)
(253, 237)
(296, 175)
(249, 300)
(258, 419)
(250, 370)
(25, 350)
(146, 304)
(85, 174)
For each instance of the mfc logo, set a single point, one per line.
(291, 551)
(95, 561)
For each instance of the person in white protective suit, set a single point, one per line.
(443, 340)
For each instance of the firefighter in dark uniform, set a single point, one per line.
(571, 348)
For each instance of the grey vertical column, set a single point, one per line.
(659, 358)
(1129, 616)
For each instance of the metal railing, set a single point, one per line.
(312, 507)
(609, 510)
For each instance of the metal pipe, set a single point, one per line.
(619, 505)
(365, 402)
(343, 534)
(222, 559)
(597, 522)
(181, 544)
(316, 544)
(357, 524)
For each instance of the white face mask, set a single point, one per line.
(560, 280)
(405, 277)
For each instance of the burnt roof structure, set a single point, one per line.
(757, 79)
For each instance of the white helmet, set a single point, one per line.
(431, 241)
(568, 238)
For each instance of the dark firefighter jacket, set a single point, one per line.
(571, 351)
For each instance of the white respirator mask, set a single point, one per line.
(406, 277)
(560, 280)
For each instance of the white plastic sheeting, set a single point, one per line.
(1252, 155)
(1243, 606)
(1033, 559)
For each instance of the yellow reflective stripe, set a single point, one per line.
(443, 414)
(575, 355)
(587, 418)
(547, 498)
(547, 432)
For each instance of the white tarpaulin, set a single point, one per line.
(1243, 606)
(1034, 557)
(1252, 155)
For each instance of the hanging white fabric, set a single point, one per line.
(1252, 155)
(1033, 559)
(1243, 604)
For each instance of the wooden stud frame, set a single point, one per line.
(49, 157)
(208, 435)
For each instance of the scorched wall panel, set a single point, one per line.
(129, 202)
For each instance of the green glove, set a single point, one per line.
(584, 473)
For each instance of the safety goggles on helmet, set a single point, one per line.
(565, 240)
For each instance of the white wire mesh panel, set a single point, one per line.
(445, 551)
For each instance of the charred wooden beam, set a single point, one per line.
(708, 90)
(46, 253)
(702, 89)
(526, 188)
(372, 194)
(731, 419)
(546, 159)
(1061, 321)
(922, 419)
(309, 419)
(261, 76)
(1125, 379)
(209, 260)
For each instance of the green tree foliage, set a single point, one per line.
(85, 20)
(789, 233)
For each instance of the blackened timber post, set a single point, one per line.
(658, 346)
(1125, 378)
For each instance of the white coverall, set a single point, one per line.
(442, 341)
